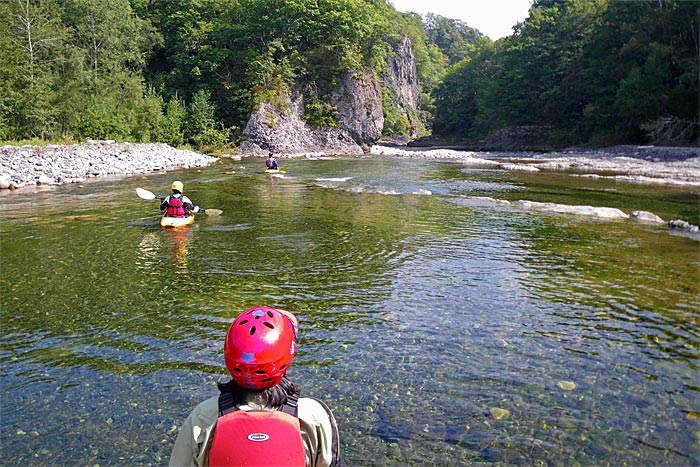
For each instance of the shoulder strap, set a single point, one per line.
(291, 406)
(226, 404)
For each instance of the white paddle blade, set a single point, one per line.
(145, 194)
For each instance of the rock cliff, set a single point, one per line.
(283, 130)
(359, 103)
(402, 80)
(358, 100)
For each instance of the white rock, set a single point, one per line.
(646, 217)
(607, 213)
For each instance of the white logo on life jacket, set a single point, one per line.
(258, 437)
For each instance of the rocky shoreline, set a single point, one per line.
(53, 165)
(22, 166)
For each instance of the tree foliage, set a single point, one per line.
(592, 71)
(192, 72)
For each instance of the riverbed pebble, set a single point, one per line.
(22, 166)
(566, 385)
(499, 413)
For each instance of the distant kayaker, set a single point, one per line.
(177, 204)
(271, 162)
(259, 416)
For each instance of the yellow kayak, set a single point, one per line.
(275, 171)
(176, 221)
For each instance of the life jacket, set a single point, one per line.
(271, 163)
(175, 207)
(257, 437)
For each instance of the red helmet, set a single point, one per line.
(260, 346)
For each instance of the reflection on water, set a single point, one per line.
(443, 327)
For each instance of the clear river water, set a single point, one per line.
(442, 326)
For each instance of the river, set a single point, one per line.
(443, 325)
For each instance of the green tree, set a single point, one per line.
(174, 122)
(596, 71)
(33, 48)
(453, 37)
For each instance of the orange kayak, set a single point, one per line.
(176, 221)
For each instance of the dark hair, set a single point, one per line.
(276, 396)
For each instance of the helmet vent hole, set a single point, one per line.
(283, 367)
(269, 325)
(267, 380)
(252, 330)
(269, 313)
(243, 322)
(260, 372)
(237, 370)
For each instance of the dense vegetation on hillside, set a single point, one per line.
(583, 71)
(191, 72)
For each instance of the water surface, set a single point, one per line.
(442, 326)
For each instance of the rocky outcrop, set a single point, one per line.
(358, 101)
(402, 80)
(283, 130)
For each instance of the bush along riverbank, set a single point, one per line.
(22, 166)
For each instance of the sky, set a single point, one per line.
(493, 18)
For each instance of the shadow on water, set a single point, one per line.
(441, 329)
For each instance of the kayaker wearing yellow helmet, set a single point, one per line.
(177, 204)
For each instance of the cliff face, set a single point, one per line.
(402, 81)
(272, 129)
(358, 100)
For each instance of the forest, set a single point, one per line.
(189, 73)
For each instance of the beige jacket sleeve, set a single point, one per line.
(319, 432)
(195, 435)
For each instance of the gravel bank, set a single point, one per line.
(636, 164)
(22, 166)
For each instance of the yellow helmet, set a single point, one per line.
(177, 185)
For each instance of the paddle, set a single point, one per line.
(145, 194)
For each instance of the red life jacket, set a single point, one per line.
(175, 207)
(257, 437)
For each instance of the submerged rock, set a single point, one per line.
(683, 225)
(646, 217)
(607, 213)
(566, 385)
(499, 414)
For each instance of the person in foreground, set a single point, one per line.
(259, 418)
(271, 162)
(177, 204)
